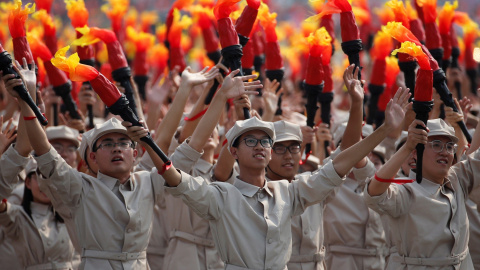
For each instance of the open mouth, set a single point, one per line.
(442, 161)
(259, 155)
(117, 159)
(288, 165)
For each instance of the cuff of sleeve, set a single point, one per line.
(5, 216)
(182, 187)
(189, 152)
(15, 157)
(332, 174)
(47, 157)
(373, 199)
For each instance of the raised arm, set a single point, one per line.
(353, 131)
(390, 169)
(394, 115)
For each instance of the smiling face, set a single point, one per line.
(284, 166)
(116, 162)
(256, 157)
(436, 165)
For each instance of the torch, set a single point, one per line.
(455, 55)
(422, 102)
(116, 102)
(115, 11)
(176, 53)
(433, 40)
(382, 45)
(21, 49)
(445, 18)
(210, 38)
(121, 71)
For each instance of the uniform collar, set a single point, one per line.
(249, 190)
(40, 208)
(203, 166)
(111, 182)
(431, 186)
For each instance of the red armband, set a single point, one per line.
(166, 166)
(396, 181)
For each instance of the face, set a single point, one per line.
(284, 166)
(375, 159)
(436, 165)
(114, 161)
(256, 157)
(38, 196)
(67, 150)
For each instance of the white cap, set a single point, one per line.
(286, 131)
(113, 125)
(243, 126)
(63, 132)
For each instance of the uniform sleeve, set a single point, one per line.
(61, 183)
(145, 163)
(394, 202)
(13, 222)
(364, 173)
(467, 172)
(11, 164)
(185, 157)
(205, 200)
(314, 189)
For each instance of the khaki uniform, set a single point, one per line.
(474, 240)
(429, 221)
(251, 226)
(354, 235)
(41, 243)
(190, 244)
(308, 251)
(109, 222)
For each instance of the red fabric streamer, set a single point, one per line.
(246, 20)
(22, 49)
(228, 34)
(210, 39)
(55, 75)
(424, 85)
(416, 27)
(248, 55)
(378, 72)
(433, 39)
(177, 58)
(314, 75)
(195, 117)
(116, 57)
(349, 26)
(105, 89)
(273, 58)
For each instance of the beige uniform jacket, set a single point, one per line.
(354, 235)
(473, 214)
(190, 244)
(110, 223)
(308, 251)
(41, 243)
(429, 221)
(157, 245)
(251, 226)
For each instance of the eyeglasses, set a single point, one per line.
(252, 142)
(282, 149)
(60, 149)
(438, 146)
(110, 145)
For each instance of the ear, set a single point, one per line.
(233, 151)
(93, 156)
(28, 182)
(135, 153)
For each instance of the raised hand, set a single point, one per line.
(416, 135)
(353, 84)
(466, 105)
(395, 112)
(270, 96)
(239, 103)
(235, 86)
(6, 136)
(136, 132)
(194, 78)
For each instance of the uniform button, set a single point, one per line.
(266, 217)
(49, 243)
(305, 232)
(270, 241)
(44, 228)
(262, 196)
(129, 230)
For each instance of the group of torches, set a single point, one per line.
(247, 40)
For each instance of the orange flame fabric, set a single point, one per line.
(77, 12)
(93, 35)
(411, 12)
(319, 41)
(400, 12)
(147, 19)
(39, 49)
(178, 24)
(445, 17)
(385, 14)
(17, 18)
(415, 51)
(143, 41)
(429, 10)
(47, 22)
(115, 11)
(71, 65)
(399, 32)
(269, 22)
(382, 45)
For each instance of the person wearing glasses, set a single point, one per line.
(251, 219)
(65, 141)
(308, 251)
(428, 219)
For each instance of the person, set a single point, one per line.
(65, 141)
(308, 251)
(251, 219)
(428, 219)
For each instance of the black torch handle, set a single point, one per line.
(55, 114)
(420, 148)
(89, 107)
(421, 110)
(127, 85)
(214, 87)
(71, 106)
(25, 96)
(458, 87)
